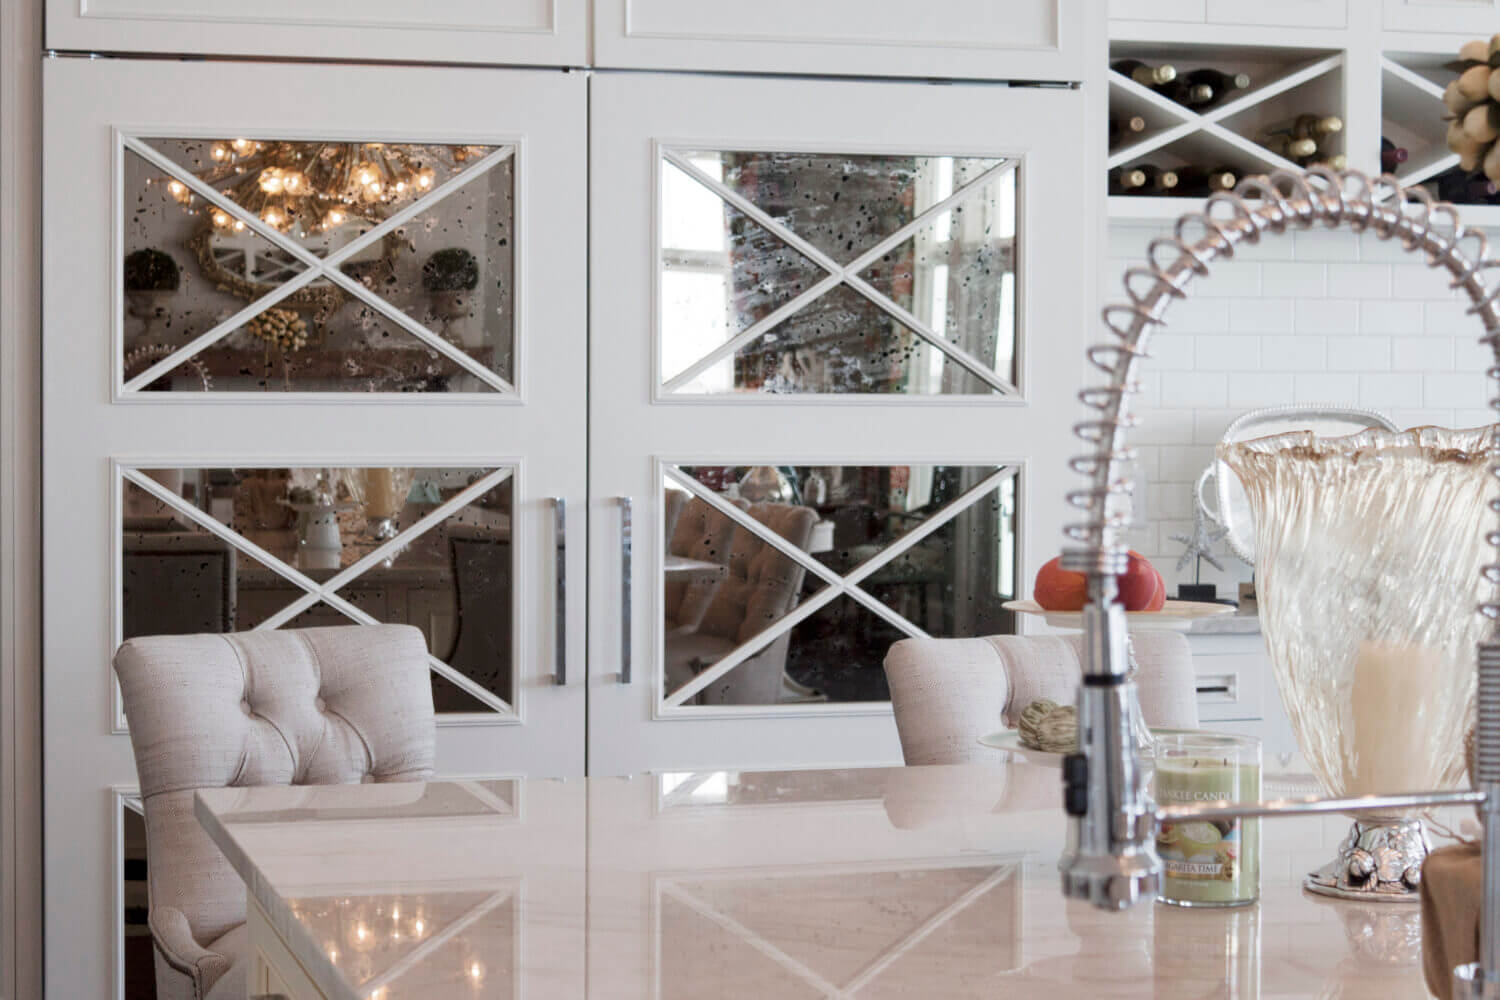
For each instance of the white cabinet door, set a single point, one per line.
(269, 282)
(1476, 17)
(837, 332)
(1159, 10)
(519, 32)
(980, 39)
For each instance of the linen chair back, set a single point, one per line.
(947, 693)
(298, 707)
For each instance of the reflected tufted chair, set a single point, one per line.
(947, 693)
(317, 706)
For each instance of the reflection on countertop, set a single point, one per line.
(883, 882)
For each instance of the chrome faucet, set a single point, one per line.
(1110, 858)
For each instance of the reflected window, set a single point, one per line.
(788, 584)
(233, 549)
(821, 273)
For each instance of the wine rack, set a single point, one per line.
(1231, 134)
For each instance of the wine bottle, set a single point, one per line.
(1221, 82)
(1391, 155)
(1144, 73)
(1338, 161)
(1460, 187)
(1193, 95)
(1121, 127)
(1198, 182)
(1144, 179)
(1292, 147)
(1308, 126)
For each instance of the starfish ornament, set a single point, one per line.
(1200, 544)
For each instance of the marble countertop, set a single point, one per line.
(870, 883)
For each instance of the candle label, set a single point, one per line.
(1201, 851)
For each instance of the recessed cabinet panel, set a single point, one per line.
(1292, 13)
(526, 32)
(1159, 10)
(1034, 39)
(1477, 16)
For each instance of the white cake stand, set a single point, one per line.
(1174, 616)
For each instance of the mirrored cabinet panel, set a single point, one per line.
(786, 585)
(232, 549)
(837, 273)
(275, 265)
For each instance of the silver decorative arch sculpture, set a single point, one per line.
(1110, 859)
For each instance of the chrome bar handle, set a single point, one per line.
(560, 574)
(626, 527)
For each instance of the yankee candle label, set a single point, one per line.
(1200, 851)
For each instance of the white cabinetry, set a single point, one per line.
(957, 38)
(514, 32)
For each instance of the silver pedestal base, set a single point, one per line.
(1377, 862)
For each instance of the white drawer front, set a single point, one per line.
(1230, 687)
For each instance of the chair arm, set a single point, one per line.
(174, 940)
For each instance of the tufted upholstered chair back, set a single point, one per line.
(311, 706)
(947, 693)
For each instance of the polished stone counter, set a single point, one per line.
(878, 883)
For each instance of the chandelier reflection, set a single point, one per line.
(310, 187)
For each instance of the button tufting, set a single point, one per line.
(245, 707)
(320, 704)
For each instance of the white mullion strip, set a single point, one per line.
(952, 509)
(411, 326)
(229, 205)
(925, 929)
(754, 330)
(760, 944)
(221, 330)
(924, 331)
(362, 617)
(289, 612)
(743, 519)
(890, 614)
(424, 950)
(434, 518)
(218, 530)
(1414, 79)
(753, 210)
(417, 207)
(755, 644)
(684, 792)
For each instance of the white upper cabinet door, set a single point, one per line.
(1479, 17)
(518, 32)
(976, 39)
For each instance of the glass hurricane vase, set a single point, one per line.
(1369, 550)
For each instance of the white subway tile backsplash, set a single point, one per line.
(1293, 278)
(1391, 391)
(1190, 389)
(1257, 315)
(1325, 316)
(1317, 244)
(1230, 278)
(1456, 390)
(1172, 352)
(1421, 354)
(1251, 390)
(1320, 317)
(1297, 353)
(1218, 352)
(1359, 281)
(1395, 318)
(1326, 388)
(1359, 354)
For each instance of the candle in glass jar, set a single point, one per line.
(1208, 862)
